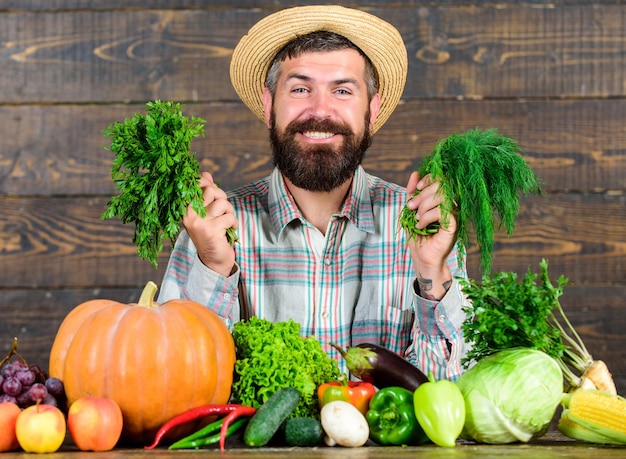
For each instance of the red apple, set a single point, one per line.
(40, 428)
(95, 423)
(8, 417)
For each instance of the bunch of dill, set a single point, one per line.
(481, 174)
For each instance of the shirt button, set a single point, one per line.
(325, 315)
(327, 261)
(227, 296)
(442, 318)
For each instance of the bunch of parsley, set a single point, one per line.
(155, 174)
(481, 173)
(508, 313)
(271, 356)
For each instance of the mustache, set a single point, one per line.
(319, 126)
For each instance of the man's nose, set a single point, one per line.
(322, 105)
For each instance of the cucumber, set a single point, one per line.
(268, 418)
(303, 432)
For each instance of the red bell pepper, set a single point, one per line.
(356, 393)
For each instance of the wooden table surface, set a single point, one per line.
(552, 446)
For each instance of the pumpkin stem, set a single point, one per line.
(147, 296)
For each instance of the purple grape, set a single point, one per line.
(40, 374)
(25, 376)
(7, 398)
(50, 399)
(55, 386)
(38, 392)
(12, 386)
(8, 370)
(1, 381)
(19, 364)
(24, 399)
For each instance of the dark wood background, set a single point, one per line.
(550, 74)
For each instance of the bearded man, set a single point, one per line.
(318, 238)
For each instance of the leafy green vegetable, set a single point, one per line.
(510, 396)
(481, 173)
(156, 174)
(271, 356)
(506, 314)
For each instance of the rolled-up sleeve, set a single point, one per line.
(186, 277)
(438, 345)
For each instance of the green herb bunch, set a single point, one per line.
(507, 314)
(271, 356)
(156, 174)
(481, 174)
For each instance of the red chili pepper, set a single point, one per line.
(191, 415)
(356, 393)
(237, 413)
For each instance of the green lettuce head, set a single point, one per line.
(274, 355)
(510, 396)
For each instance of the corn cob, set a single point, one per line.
(598, 411)
(572, 429)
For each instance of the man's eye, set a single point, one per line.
(343, 92)
(299, 90)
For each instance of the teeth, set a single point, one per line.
(318, 135)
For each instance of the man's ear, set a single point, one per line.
(374, 109)
(267, 106)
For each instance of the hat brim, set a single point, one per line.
(378, 39)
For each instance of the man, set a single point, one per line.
(318, 238)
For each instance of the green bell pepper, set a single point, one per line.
(391, 418)
(440, 410)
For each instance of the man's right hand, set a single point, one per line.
(209, 233)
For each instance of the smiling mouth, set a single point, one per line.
(318, 135)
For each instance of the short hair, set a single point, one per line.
(319, 41)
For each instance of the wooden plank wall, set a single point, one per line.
(550, 74)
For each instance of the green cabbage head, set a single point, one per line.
(510, 396)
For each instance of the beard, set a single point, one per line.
(318, 167)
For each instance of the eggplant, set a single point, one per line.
(381, 367)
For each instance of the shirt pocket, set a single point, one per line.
(383, 319)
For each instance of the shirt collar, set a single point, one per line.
(357, 207)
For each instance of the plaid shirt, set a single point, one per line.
(352, 285)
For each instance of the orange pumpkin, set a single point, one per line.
(156, 361)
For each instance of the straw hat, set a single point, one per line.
(378, 39)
